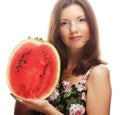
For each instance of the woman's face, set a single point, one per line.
(74, 29)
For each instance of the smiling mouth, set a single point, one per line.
(75, 37)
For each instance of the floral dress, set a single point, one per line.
(70, 99)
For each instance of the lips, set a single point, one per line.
(75, 37)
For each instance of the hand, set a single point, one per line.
(37, 105)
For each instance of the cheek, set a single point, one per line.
(64, 36)
(63, 33)
(86, 32)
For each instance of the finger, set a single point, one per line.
(22, 101)
(17, 98)
(29, 101)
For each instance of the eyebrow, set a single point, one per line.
(81, 16)
(76, 18)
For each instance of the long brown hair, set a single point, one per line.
(90, 54)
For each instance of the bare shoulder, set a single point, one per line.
(99, 91)
(99, 75)
(100, 72)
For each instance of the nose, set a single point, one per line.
(74, 27)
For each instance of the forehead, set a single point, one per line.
(72, 11)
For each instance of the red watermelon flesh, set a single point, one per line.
(33, 70)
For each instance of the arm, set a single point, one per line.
(99, 91)
(21, 109)
(25, 107)
(41, 106)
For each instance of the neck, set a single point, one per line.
(73, 57)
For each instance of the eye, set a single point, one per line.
(82, 20)
(63, 23)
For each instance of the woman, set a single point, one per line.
(84, 88)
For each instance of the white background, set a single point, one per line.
(22, 18)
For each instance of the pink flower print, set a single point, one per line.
(67, 86)
(77, 109)
(54, 95)
(79, 112)
(84, 79)
(80, 87)
(83, 96)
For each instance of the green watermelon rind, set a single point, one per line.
(36, 41)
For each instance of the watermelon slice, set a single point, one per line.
(33, 69)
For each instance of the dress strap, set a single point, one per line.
(88, 72)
